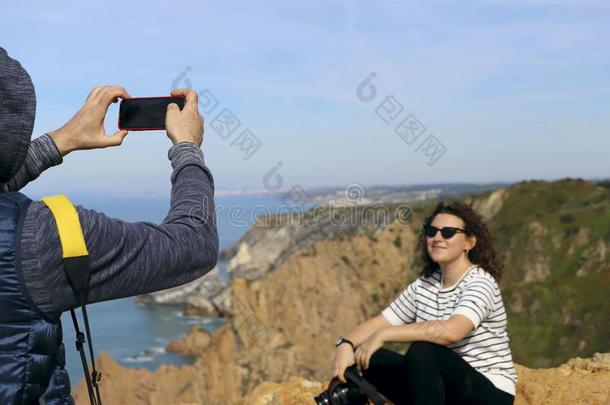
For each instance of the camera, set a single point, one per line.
(355, 391)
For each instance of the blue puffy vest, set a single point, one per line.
(32, 355)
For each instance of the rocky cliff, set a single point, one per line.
(284, 319)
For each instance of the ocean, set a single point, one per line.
(134, 335)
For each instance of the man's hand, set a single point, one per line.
(365, 350)
(184, 125)
(86, 129)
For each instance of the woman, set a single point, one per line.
(454, 315)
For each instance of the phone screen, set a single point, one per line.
(146, 113)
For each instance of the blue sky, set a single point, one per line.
(511, 90)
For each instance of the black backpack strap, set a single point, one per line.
(366, 387)
(78, 272)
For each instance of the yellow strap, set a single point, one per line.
(68, 225)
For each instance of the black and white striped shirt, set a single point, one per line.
(477, 296)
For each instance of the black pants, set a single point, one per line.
(431, 374)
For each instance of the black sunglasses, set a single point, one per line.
(446, 232)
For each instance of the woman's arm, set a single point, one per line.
(344, 355)
(441, 332)
(363, 331)
(473, 306)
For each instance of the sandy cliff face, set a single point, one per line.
(269, 242)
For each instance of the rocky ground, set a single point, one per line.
(579, 381)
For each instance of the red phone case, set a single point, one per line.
(144, 129)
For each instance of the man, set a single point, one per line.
(126, 259)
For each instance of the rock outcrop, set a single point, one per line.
(578, 381)
(268, 243)
(206, 296)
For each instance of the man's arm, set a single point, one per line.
(42, 154)
(84, 131)
(128, 259)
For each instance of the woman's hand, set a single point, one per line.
(86, 129)
(344, 357)
(365, 350)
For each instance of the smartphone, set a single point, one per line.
(146, 113)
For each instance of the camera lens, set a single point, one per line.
(348, 394)
(342, 394)
(322, 399)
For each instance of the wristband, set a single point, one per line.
(342, 340)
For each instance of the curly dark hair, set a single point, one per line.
(482, 254)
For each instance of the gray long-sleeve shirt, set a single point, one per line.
(126, 258)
